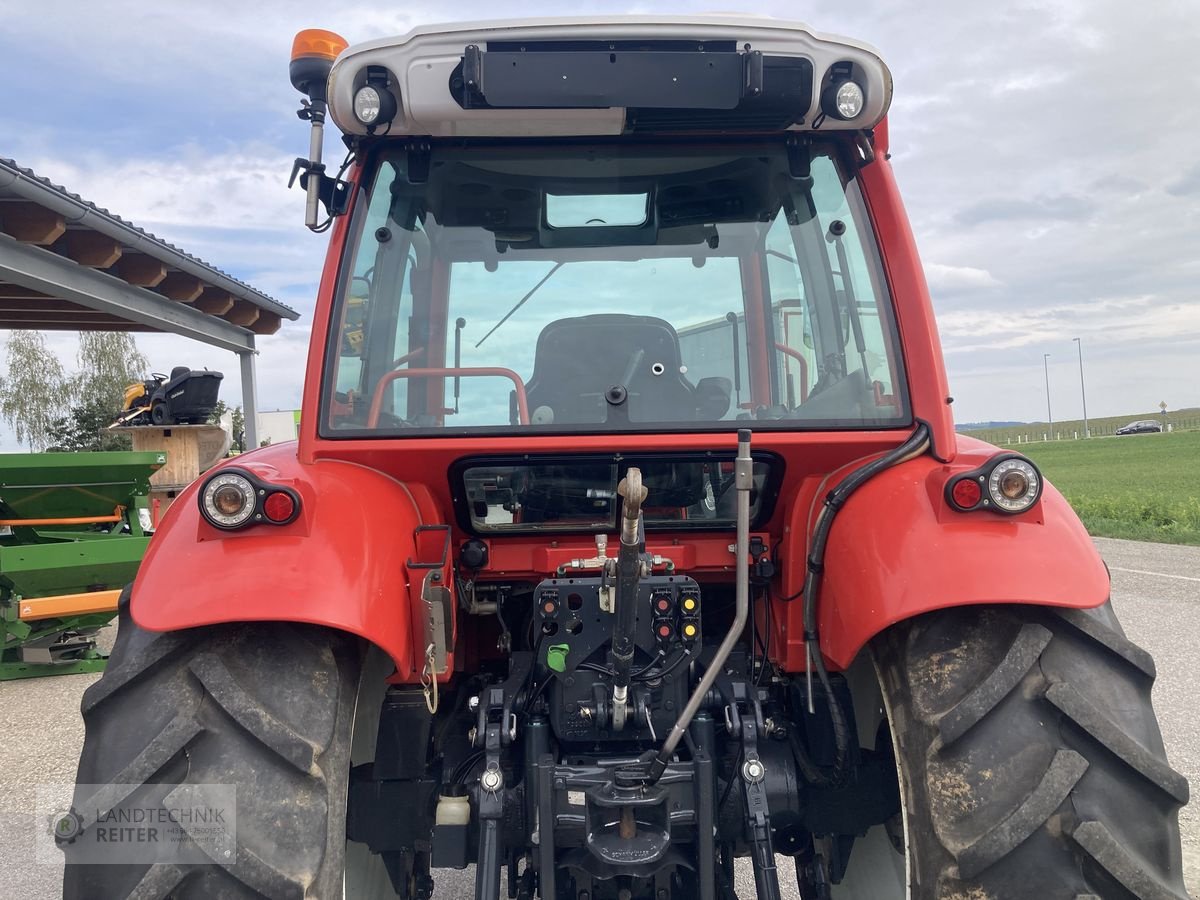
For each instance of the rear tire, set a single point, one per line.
(158, 413)
(1031, 764)
(267, 707)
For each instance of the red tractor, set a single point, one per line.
(627, 532)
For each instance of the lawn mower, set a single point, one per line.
(185, 397)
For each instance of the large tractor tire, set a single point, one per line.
(268, 707)
(1030, 761)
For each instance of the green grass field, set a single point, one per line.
(1142, 487)
(1010, 435)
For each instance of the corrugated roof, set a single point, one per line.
(33, 187)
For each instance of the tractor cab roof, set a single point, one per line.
(608, 76)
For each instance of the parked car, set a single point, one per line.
(1143, 426)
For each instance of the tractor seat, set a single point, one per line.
(578, 360)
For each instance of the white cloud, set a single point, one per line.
(957, 278)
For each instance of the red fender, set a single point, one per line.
(340, 564)
(897, 549)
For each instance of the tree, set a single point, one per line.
(36, 390)
(46, 407)
(109, 361)
(86, 428)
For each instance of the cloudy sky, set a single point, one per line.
(1046, 150)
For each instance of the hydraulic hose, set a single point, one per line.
(917, 444)
(743, 483)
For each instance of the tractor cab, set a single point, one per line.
(639, 235)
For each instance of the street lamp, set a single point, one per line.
(1049, 418)
(1087, 432)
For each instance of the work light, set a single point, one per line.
(374, 105)
(848, 99)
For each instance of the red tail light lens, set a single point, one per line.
(966, 493)
(279, 507)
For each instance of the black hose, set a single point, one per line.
(686, 654)
(834, 501)
(916, 444)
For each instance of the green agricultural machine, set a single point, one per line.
(73, 530)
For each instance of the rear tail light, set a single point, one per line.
(966, 493)
(234, 498)
(1007, 484)
(228, 500)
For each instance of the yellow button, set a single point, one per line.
(689, 604)
(689, 630)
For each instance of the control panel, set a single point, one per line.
(575, 616)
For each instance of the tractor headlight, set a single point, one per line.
(843, 100)
(228, 500)
(849, 99)
(374, 105)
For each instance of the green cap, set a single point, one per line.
(556, 656)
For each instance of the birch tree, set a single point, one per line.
(36, 391)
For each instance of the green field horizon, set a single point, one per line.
(1072, 429)
(1142, 487)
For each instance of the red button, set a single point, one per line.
(664, 631)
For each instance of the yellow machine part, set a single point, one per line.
(133, 393)
(63, 605)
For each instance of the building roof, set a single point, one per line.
(68, 264)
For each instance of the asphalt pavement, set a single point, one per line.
(1156, 593)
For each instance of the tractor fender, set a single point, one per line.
(341, 563)
(898, 549)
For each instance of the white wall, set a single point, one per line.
(276, 426)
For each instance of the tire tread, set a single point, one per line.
(289, 745)
(1023, 655)
(216, 726)
(1004, 836)
(1099, 843)
(1075, 706)
(1045, 771)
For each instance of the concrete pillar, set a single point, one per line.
(249, 398)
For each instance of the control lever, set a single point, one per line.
(743, 482)
(629, 572)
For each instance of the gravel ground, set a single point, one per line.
(1156, 592)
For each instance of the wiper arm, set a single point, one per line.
(533, 290)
